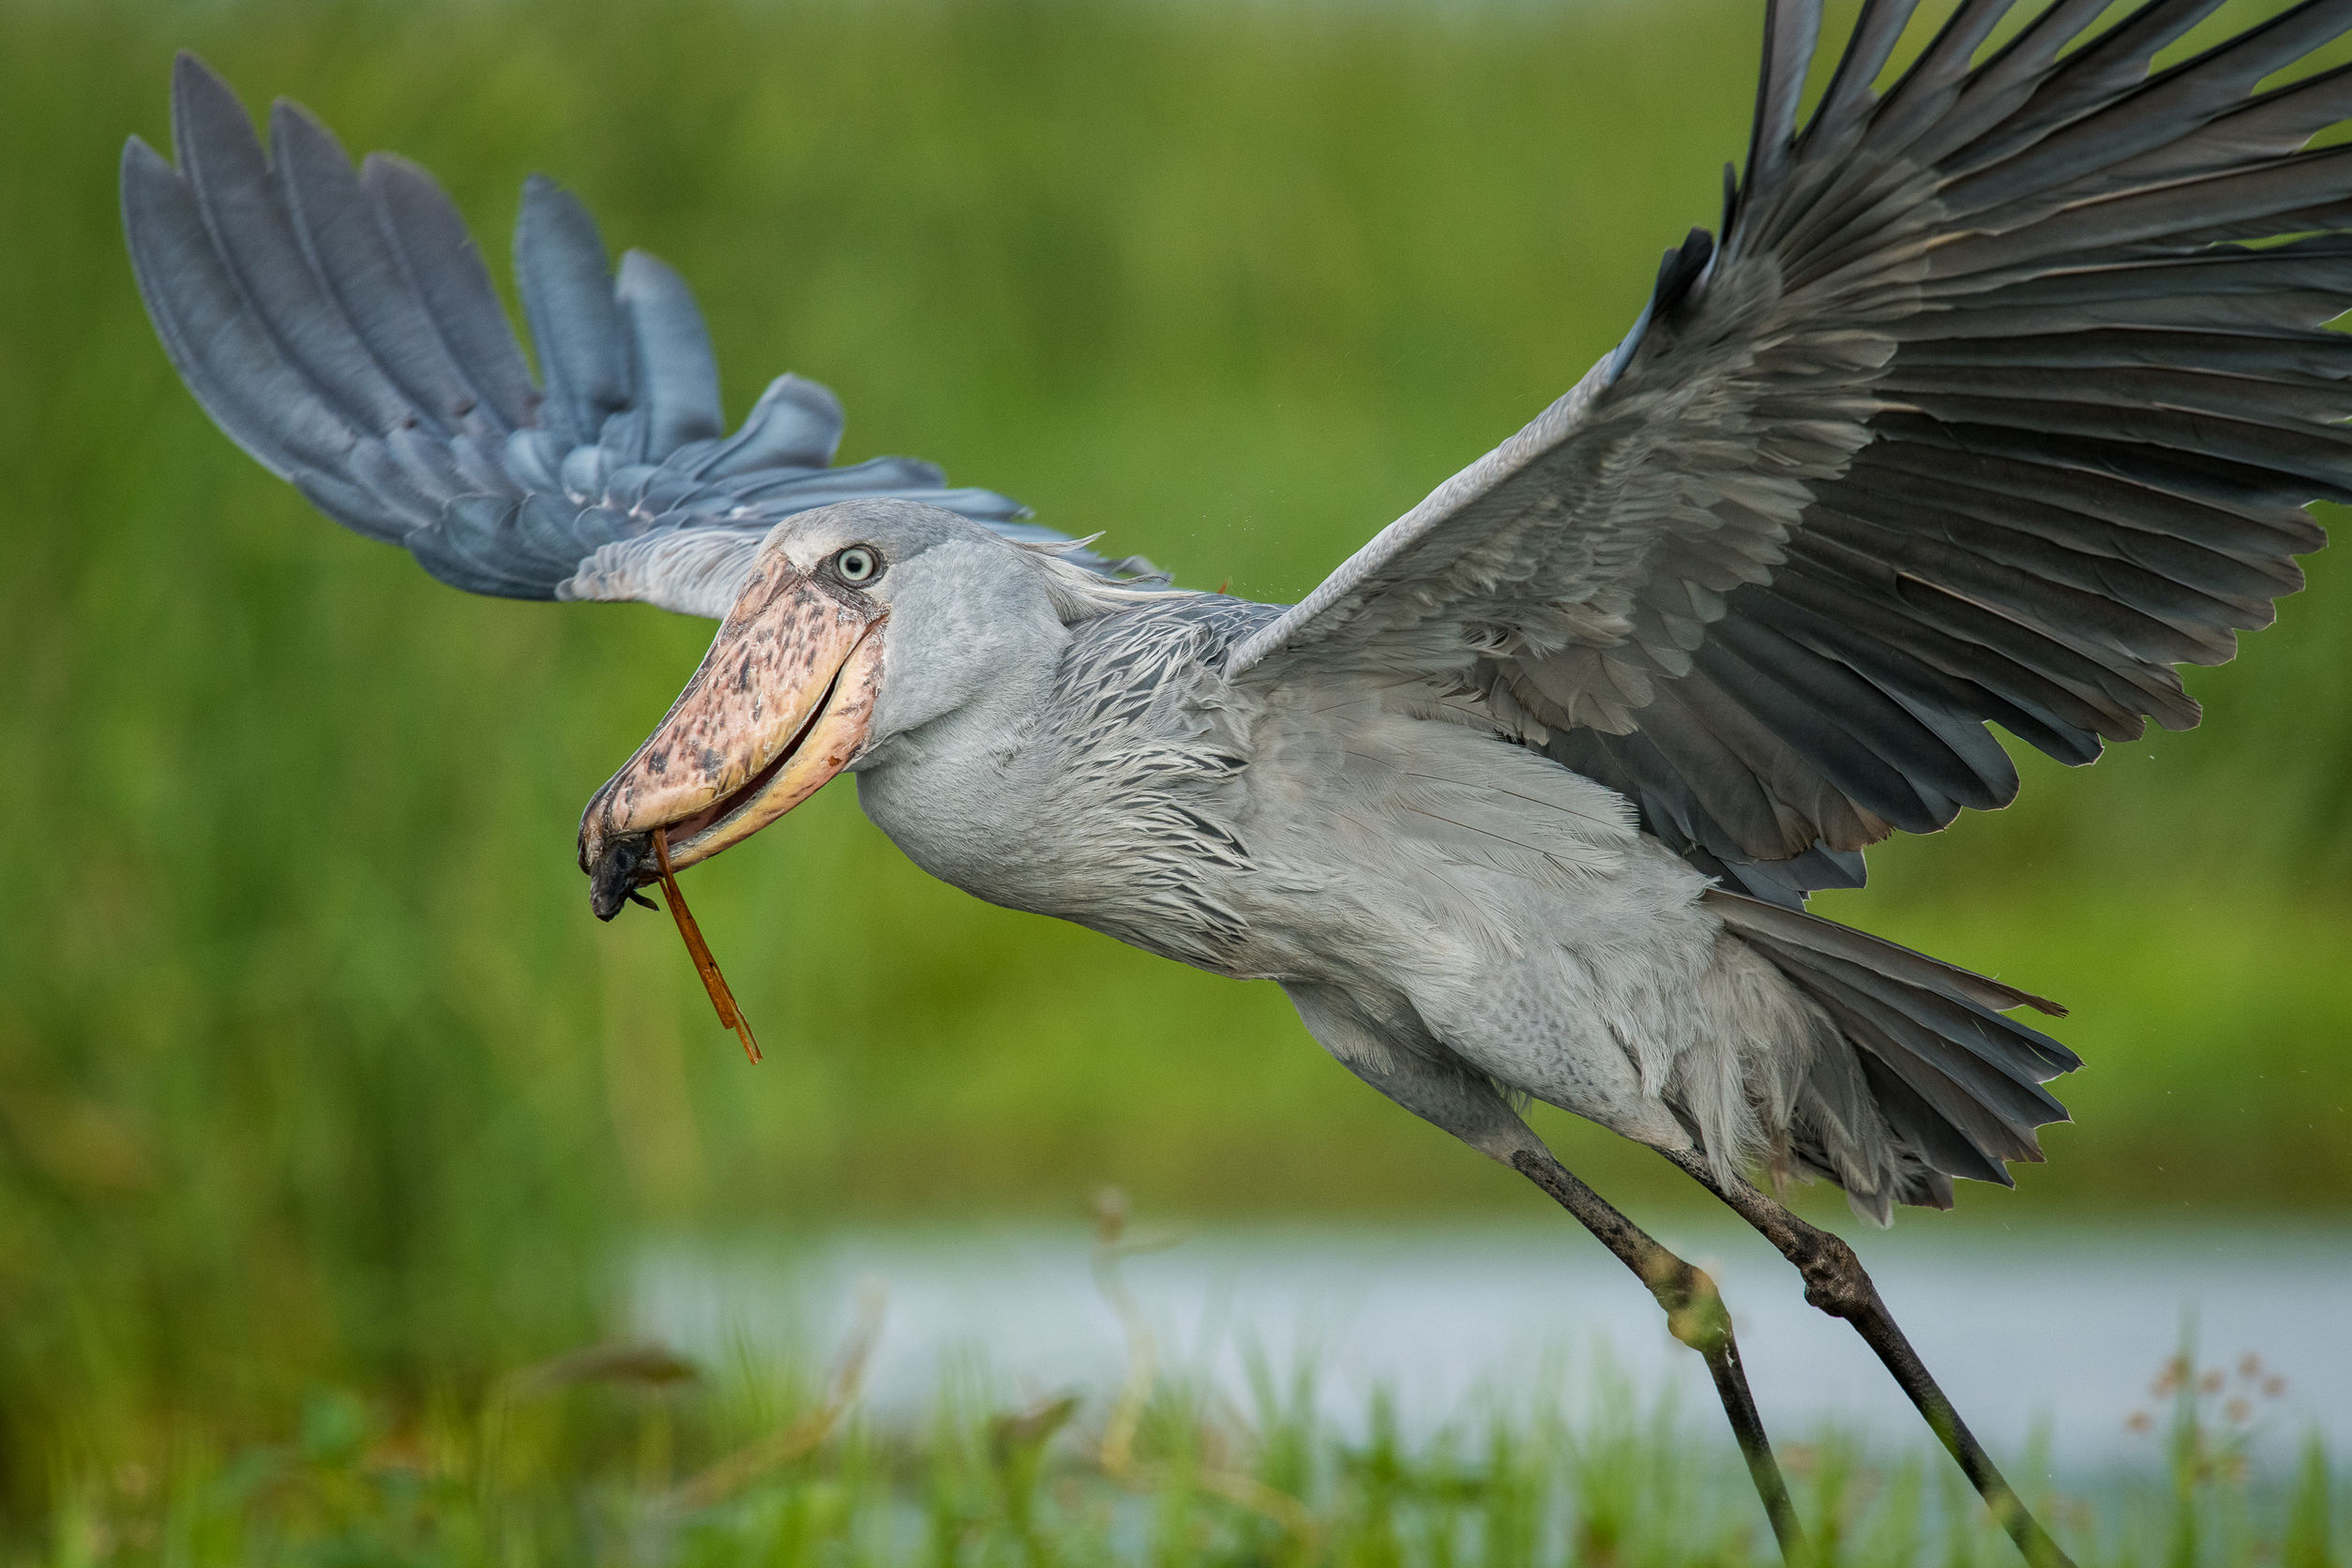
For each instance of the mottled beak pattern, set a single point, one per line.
(779, 705)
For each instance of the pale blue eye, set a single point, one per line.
(856, 564)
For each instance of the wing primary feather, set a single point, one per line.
(566, 286)
(678, 372)
(1841, 119)
(2004, 84)
(2158, 130)
(1792, 31)
(357, 269)
(252, 233)
(227, 360)
(446, 270)
(1845, 101)
(2092, 76)
(1934, 80)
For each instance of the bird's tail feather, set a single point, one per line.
(1958, 1084)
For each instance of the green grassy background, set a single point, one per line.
(312, 1063)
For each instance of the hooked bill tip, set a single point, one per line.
(616, 874)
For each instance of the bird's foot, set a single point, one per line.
(1833, 1277)
(1695, 1314)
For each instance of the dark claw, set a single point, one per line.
(641, 900)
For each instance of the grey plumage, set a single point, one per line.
(1980, 413)
(2000, 395)
(339, 326)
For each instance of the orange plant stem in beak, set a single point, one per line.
(730, 1015)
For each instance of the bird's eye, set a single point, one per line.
(857, 564)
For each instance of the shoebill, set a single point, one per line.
(2000, 393)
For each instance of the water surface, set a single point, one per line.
(2060, 1331)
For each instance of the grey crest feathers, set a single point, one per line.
(339, 327)
(2003, 394)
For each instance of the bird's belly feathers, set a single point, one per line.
(1589, 994)
(1534, 929)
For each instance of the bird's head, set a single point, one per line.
(859, 623)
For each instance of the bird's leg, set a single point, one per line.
(1696, 1315)
(1392, 1051)
(1835, 1281)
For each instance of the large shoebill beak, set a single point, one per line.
(779, 705)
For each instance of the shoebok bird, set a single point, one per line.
(2002, 393)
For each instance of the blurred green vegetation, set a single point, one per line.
(627, 1453)
(313, 1065)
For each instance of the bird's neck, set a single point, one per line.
(1091, 789)
(949, 790)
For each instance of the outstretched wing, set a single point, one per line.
(338, 324)
(2003, 394)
